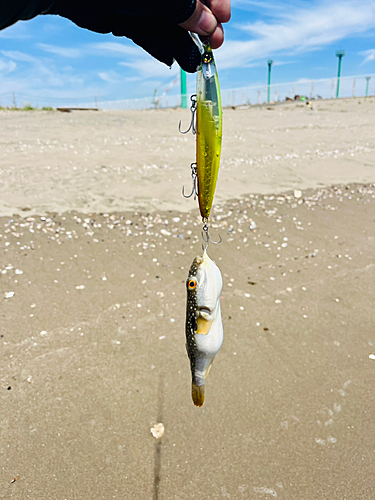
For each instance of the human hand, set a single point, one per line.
(161, 28)
(207, 19)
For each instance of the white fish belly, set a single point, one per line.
(209, 345)
(207, 348)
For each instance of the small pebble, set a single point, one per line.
(157, 430)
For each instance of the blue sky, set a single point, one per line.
(50, 60)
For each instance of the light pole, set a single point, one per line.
(270, 62)
(368, 78)
(340, 54)
(183, 90)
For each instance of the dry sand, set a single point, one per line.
(92, 340)
(97, 162)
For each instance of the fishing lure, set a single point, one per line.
(208, 129)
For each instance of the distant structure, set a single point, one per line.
(368, 78)
(270, 62)
(183, 89)
(340, 54)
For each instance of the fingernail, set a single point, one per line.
(207, 23)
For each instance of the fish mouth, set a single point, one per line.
(204, 309)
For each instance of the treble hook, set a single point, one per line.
(193, 109)
(194, 176)
(206, 237)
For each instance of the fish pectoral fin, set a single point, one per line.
(197, 394)
(203, 325)
(208, 369)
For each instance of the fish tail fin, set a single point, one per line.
(197, 393)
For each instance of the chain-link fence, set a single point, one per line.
(350, 86)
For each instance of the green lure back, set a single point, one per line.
(208, 131)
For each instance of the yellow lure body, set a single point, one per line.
(208, 131)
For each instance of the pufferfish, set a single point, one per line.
(204, 328)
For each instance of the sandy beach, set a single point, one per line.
(96, 242)
(95, 162)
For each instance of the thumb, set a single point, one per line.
(202, 21)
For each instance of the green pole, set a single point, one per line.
(183, 90)
(270, 62)
(340, 54)
(368, 78)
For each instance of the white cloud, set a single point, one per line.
(142, 64)
(17, 31)
(259, 5)
(305, 27)
(110, 77)
(38, 79)
(114, 48)
(37, 73)
(7, 66)
(148, 67)
(281, 63)
(19, 56)
(369, 55)
(61, 51)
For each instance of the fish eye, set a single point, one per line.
(192, 283)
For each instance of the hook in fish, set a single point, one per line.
(193, 109)
(206, 236)
(194, 176)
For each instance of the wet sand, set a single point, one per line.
(92, 337)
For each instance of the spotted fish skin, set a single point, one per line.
(204, 329)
